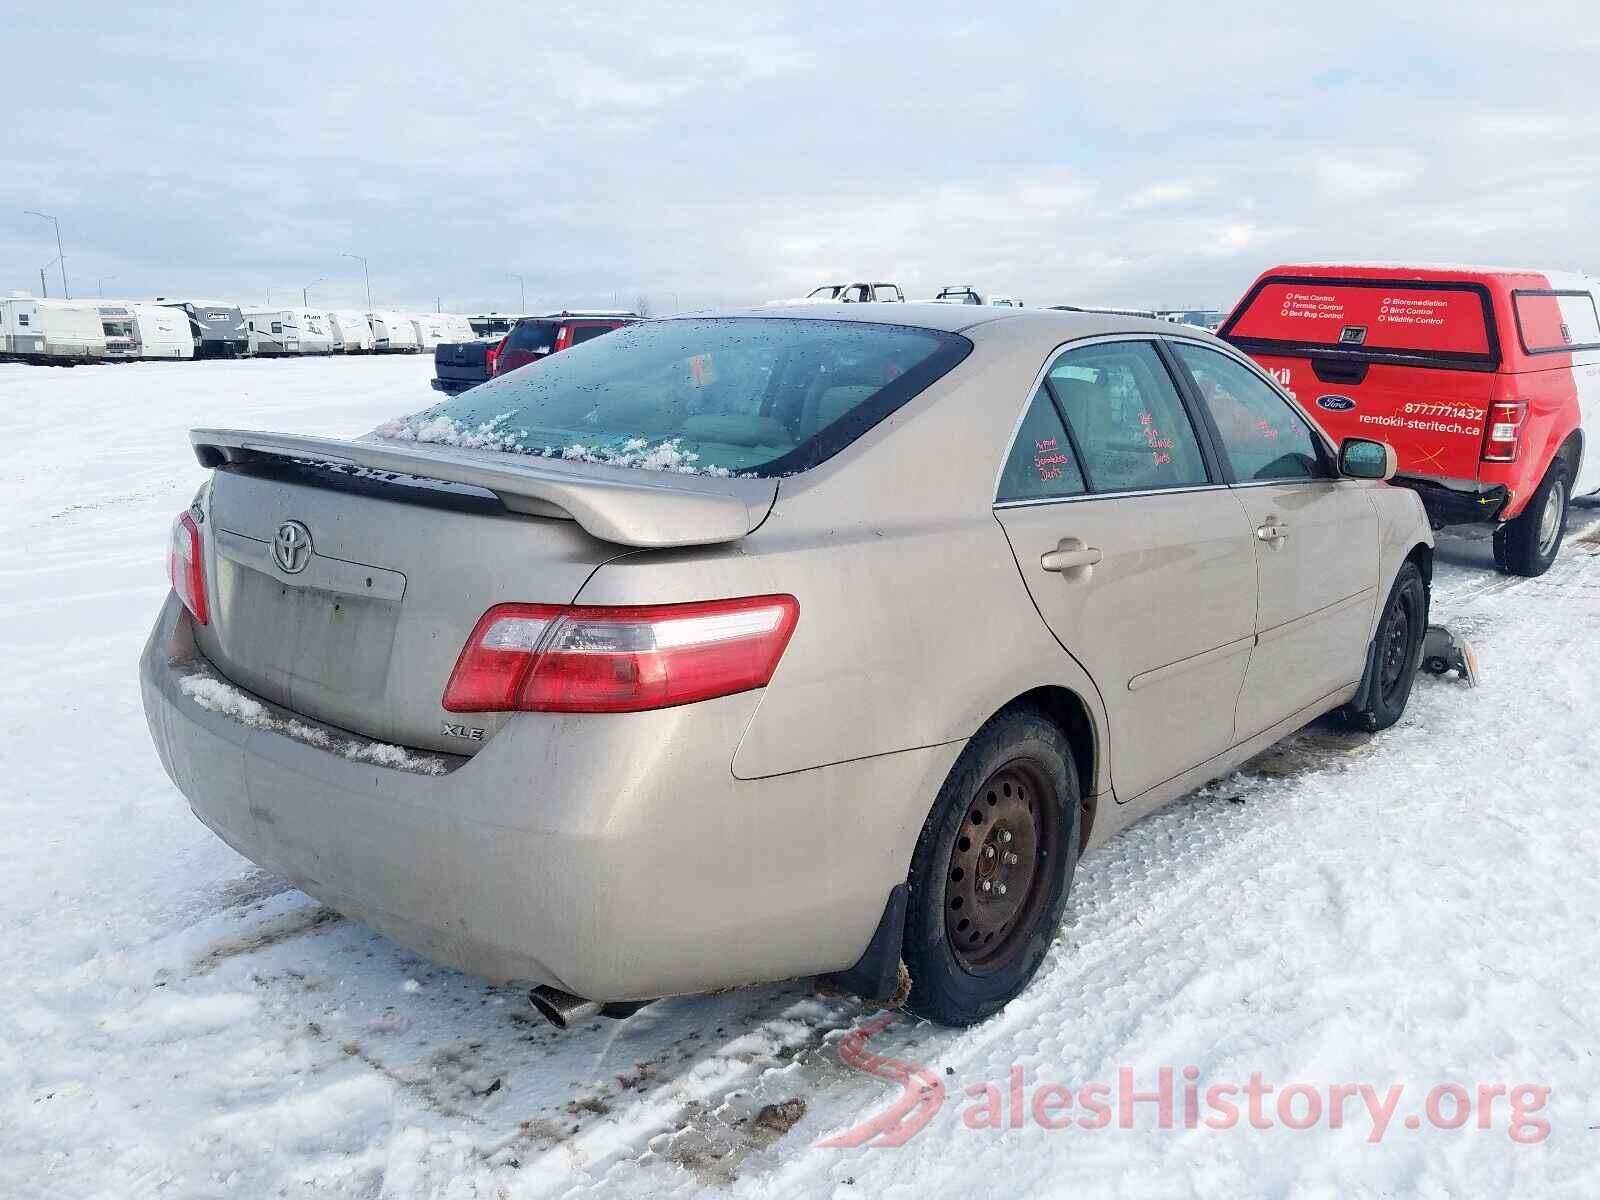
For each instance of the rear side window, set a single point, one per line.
(1126, 418)
(1550, 322)
(534, 336)
(1042, 465)
(1443, 323)
(584, 333)
(1262, 435)
(764, 396)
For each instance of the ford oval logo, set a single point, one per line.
(1336, 403)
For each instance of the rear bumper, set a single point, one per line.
(453, 387)
(614, 857)
(1466, 505)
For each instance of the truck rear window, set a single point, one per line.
(536, 337)
(1447, 323)
(1549, 322)
(761, 396)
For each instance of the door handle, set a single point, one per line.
(1069, 555)
(1272, 531)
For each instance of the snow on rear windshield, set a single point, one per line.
(705, 395)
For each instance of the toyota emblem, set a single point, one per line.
(291, 547)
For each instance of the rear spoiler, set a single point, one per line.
(628, 506)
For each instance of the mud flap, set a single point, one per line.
(1443, 652)
(876, 974)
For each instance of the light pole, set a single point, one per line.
(100, 285)
(522, 294)
(365, 275)
(305, 291)
(61, 255)
(44, 288)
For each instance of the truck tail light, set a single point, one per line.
(186, 567)
(491, 359)
(563, 338)
(572, 658)
(1503, 436)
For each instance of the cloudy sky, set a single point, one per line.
(698, 153)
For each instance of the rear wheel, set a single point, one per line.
(1395, 655)
(992, 869)
(1529, 544)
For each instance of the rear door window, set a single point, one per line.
(1550, 322)
(584, 333)
(1262, 435)
(1126, 418)
(1440, 323)
(1042, 464)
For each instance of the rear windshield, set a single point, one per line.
(1553, 321)
(1374, 318)
(708, 395)
(536, 337)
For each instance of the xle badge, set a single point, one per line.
(470, 733)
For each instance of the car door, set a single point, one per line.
(1316, 539)
(1136, 554)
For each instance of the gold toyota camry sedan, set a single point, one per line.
(765, 643)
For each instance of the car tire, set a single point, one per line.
(1394, 656)
(992, 869)
(1528, 545)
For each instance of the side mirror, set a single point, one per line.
(1362, 459)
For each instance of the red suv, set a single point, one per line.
(1486, 382)
(533, 338)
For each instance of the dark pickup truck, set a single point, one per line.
(458, 366)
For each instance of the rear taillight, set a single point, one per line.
(491, 360)
(563, 339)
(186, 567)
(551, 658)
(1503, 436)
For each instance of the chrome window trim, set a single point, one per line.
(1186, 489)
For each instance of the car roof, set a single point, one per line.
(956, 318)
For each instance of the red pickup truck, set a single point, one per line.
(532, 338)
(1486, 381)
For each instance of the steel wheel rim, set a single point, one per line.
(1550, 519)
(998, 879)
(1396, 647)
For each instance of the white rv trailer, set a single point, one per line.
(272, 330)
(430, 329)
(121, 332)
(288, 331)
(394, 332)
(6, 320)
(354, 330)
(316, 331)
(453, 327)
(53, 331)
(164, 332)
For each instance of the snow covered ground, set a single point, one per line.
(1415, 910)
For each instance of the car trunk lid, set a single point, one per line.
(344, 590)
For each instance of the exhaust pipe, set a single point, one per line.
(562, 1009)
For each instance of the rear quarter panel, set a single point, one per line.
(915, 626)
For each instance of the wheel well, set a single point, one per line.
(1572, 451)
(1067, 709)
(1422, 555)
